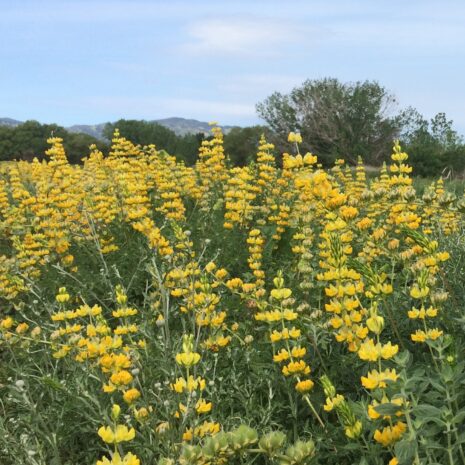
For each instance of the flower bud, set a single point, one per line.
(115, 411)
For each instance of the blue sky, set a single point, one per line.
(76, 62)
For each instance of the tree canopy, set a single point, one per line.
(146, 132)
(336, 120)
(29, 140)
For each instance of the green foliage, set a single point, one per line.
(145, 133)
(241, 144)
(336, 120)
(29, 140)
(434, 146)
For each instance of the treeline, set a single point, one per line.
(336, 120)
(348, 120)
(29, 140)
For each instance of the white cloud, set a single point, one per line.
(241, 36)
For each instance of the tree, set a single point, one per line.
(336, 120)
(29, 140)
(241, 144)
(434, 147)
(77, 146)
(147, 132)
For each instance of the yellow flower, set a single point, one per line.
(22, 328)
(141, 413)
(333, 402)
(375, 324)
(187, 359)
(209, 267)
(202, 406)
(128, 459)
(131, 395)
(353, 431)
(376, 379)
(304, 386)
(390, 434)
(162, 427)
(281, 356)
(281, 294)
(434, 334)
(294, 137)
(121, 378)
(221, 273)
(418, 293)
(7, 323)
(418, 336)
(114, 436)
(187, 435)
(62, 296)
(298, 352)
(294, 368)
(371, 352)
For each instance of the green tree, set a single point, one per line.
(434, 147)
(29, 140)
(241, 144)
(336, 120)
(147, 132)
(77, 146)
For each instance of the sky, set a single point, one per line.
(87, 62)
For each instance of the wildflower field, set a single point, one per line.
(154, 313)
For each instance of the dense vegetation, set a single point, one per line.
(158, 313)
(336, 120)
(29, 140)
(340, 120)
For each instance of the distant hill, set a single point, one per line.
(183, 126)
(95, 130)
(9, 122)
(180, 126)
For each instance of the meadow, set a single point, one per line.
(155, 313)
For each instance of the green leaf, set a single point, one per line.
(426, 412)
(387, 409)
(405, 451)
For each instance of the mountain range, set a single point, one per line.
(180, 126)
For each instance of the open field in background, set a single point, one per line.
(155, 313)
